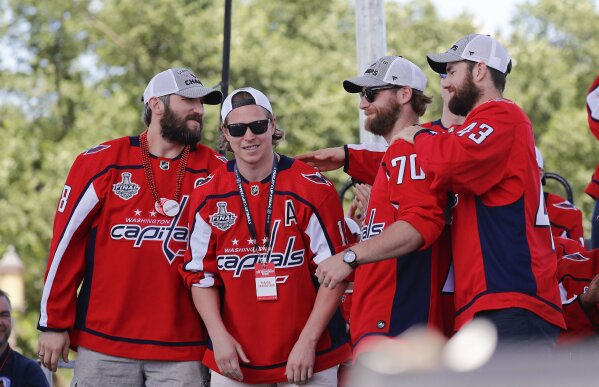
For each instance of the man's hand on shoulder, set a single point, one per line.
(323, 160)
(407, 134)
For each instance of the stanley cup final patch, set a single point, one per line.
(222, 219)
(125, 189)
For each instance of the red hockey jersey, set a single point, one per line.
(565, 218)
(362, 163)
(574, 272)
(564, 246)
(395, 294)
(307, 227)
(502, 244)
(593, 118)
(362, 160)
(132, 302)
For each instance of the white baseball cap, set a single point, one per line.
(388, 70)
(475, 48)
(258, 98)
(182, 82)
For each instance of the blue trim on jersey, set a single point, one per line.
(481, 294)
(83, 299)
(505, 251)
(411, 302)
(138, 341)
(577, 279)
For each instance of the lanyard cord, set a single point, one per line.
(248, 215)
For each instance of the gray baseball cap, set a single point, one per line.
(388, 70)
(182, 82)
(475, 48)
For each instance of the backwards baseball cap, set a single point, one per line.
(182, 82)
(475, 48)
(257, 98)
(388, 70)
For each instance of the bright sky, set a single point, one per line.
(491, 15)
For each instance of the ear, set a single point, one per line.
(157, 106)
(225, 132)
(404, 95)
(479, 71)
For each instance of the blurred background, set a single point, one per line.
(72, 74)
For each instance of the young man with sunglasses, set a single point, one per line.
(502, 246)
(403, 221)
(112, 289)
(259, 226)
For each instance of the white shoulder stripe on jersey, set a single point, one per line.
(369, 146)
(86, 204)
(198, 244)
(564, 295)
(318, 241)
(593, 103)
(206, 282)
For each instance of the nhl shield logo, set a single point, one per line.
(164, 165)
(254, 190)
(222, 219)
(125, 189)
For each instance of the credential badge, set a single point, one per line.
(222, 219)
(125, 189)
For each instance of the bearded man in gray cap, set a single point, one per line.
(112, 290)
(403, 222)
(502, 246)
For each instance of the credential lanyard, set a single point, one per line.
(248, 215)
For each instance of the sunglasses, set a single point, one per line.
(370, 92)
(257, 127)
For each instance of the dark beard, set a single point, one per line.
(463, 99)
(176, 130)
(384, 119)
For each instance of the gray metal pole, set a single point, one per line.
(371, 44)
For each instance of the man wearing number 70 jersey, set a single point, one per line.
(404, 220)
(502, 248)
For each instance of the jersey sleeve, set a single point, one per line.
(471, 159)
(82, 196)
(199, 267)
(593, 107)
(575, 272)
(362, 161)
(411, 196)
(326, 229)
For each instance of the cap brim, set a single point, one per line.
(438, 62)
(210, 96)
(355, 85)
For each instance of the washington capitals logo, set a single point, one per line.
(96, 149)
(171, 235)
(576, 257)
(565, 205)
(222, 219)
(125, 189)
(316, 178)
(202, 180)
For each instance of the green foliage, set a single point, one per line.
(82, 65)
